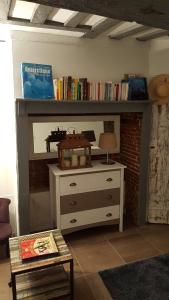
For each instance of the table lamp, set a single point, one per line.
(107, 141)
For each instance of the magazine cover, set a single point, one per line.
(38, 246)
(37, 81)
(137, 88)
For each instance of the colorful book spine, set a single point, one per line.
(78, 89)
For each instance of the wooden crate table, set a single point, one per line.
(42, 278)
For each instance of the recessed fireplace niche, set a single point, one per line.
(132, 126)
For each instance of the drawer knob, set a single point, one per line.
(73, 203)
(73, 184)
(109, 215)
(109, 179)
(109, 196)
(73, 221)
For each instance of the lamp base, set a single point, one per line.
(109, 162)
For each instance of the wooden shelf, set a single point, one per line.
(43, 284)
(41, 107)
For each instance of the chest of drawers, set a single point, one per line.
(87, 197)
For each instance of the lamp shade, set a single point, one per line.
(107, 141)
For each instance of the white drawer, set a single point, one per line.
(89, 182)
(90, 216)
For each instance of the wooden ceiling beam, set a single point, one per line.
(47, 25)
(128, 32)
(76, 19)
(100, 28)
(4, 9)
(153, 13)
(153, 35)
(41, 13)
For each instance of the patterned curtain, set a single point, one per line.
(158, 207)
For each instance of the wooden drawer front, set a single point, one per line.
(89, 216)
(89, 182)
(90, 200)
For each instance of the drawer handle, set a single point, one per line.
(73, 184)
(109, 179)
(109, 196)
(73, 221)
(73, 203)
(109, 215)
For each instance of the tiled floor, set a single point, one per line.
(102, 248)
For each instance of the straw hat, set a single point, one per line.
(158, 89)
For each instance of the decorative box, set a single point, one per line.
(69, 157)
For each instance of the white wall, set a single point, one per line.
(159, 56)
(8, 175)
(97, 59)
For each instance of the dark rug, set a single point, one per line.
(143, 280)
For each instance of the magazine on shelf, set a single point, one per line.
(137, 88)
(37, 246)
(37, 81)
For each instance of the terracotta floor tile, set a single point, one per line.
(77, 268)
(88, 236)
(113, 233)
(99, 290)
(82, 290)
(159, 239)
(133, 247)
(154, 228)
(95, 257)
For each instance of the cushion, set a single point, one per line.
(4, 210)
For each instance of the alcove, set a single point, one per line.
(139, 111)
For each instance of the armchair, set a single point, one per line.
(5, 227)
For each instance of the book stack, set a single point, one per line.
(69, 88)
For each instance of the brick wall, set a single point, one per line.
(130, 134)
(130, 140)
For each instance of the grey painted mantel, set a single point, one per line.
(28, 108)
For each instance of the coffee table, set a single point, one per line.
(42, 278)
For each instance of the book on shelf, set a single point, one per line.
(79, 89)
(37, 81)
(37, 246)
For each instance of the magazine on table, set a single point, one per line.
(37, 246)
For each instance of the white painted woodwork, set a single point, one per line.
(28, 24)
(4, 9)
(76, 19)
(128, 32)
(153, 35)
(88, 179)
(41, 13)
(158, 210)
(121, 199)
(101, 27)
(89, 182)
(89, 217)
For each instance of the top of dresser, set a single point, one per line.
(97, 166)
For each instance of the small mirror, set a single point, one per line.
(44, 132)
